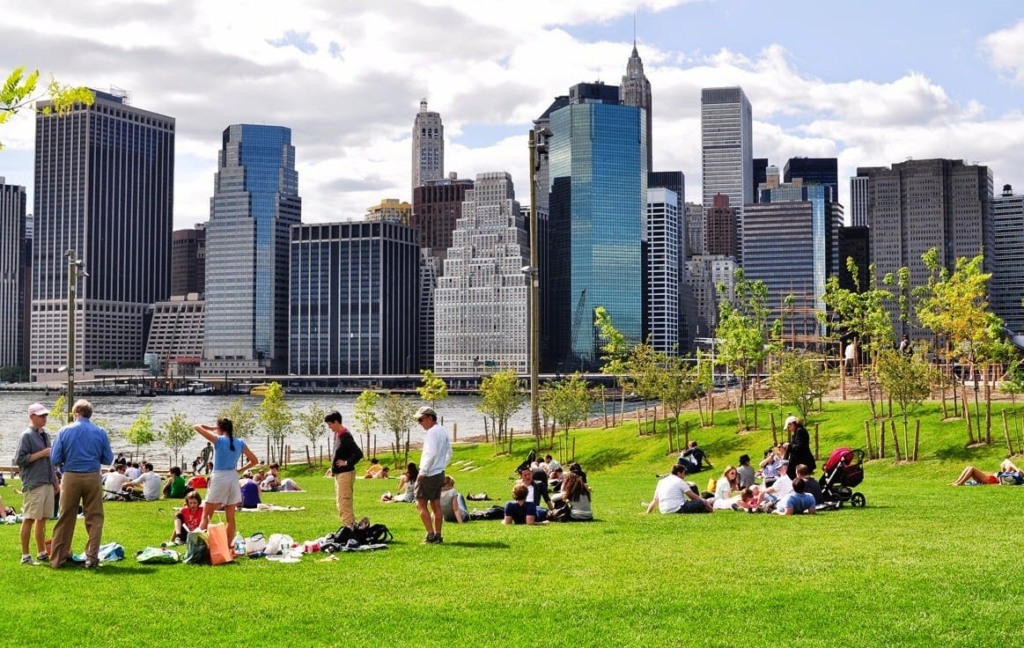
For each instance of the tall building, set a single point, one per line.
(255, 203)
(636, 91)
(104, 187)
(188, 261)
(675, 182)
(662, 271)
(482, 319)
(353, 299)
(923, 204)
(427, 147)
(436, 208)
(727, 150)
(695, 232)
(720, 229)
(760, 166)
(390, 210)
(792, 245)
(854, 243)
(176, 334)
(1006, 289)
(859, 201)
(12, 275)
(823, 171)
(598, 187)
(704, 273)
(542, 182)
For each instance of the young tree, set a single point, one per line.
(799, 380)
(142, 431)
(242, 419)
(679, 384)
(18, 91)
(567, 402)
(366, 414)
(645, 366)
(615, 352)
(501, 396)
(176, 433)
(432, 388)
(59, 412)
(396, 415)
(906, 379)
(744, 334)
(311, 423)
(275, 417)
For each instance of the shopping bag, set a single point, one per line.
(220, 546)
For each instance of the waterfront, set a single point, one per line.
(118, 413)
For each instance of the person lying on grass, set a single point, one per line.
(1008, 474)
(798, 501)
(522, 511)
(674, 495)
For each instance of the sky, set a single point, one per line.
(872, 83)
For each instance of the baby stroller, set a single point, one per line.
(841, 473)
(530, 458)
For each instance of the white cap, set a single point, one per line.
(37, 409)
(791, 419)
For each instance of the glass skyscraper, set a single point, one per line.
(255, 203)
(598, 186)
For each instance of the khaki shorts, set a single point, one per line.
(37, 504)
(429, 488)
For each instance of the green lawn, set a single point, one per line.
(923, 564)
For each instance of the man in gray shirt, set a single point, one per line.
(38, 482)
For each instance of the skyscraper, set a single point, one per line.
(255, 203)
(823, 171)
(662, 271)
(104, 187)
(923, 204)
(482, 299)
(188, 261)
(427, 147)
(859, 201)
(720, 229)
(1006, 289)
(598, 186)
(12, 279)
(727, 150)
(695, 229)
(636, 91)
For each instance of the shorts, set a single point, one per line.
(37, 504)
(224, 488)
(429, 488)
(992, 479)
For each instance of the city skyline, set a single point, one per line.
(347, 80)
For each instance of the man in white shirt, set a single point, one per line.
(114, 483)
(777, 493)
(150, 482)
(133, 471)
(437, 452)
(674, 495)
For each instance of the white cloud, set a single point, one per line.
(1005, 50)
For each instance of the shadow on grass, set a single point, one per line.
(603, 459)
(493, 544)
(957, 451)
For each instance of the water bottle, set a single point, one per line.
(239, 544)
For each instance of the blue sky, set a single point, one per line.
(869, 82)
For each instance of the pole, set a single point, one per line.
(534, 295)
(72, 279)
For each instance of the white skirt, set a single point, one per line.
(224, 488)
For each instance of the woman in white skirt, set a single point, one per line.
(224, 487)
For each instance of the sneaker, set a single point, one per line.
(437, 540)
(43, 557)
(178, 541)
(89, 564)
(429, 539)
(27, 560)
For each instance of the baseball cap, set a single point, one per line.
(425, 411)
(37, 409)
(791, 419)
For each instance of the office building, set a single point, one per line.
(760, 167)
(663, 271)
(704, 273)
(255, 203)
(695, 234)
(481, 321)
(354, 290)
(720, 229)
(13, 265)
(104, 187)
(598, 187)
(390, 210)
(821, 171)
(636, 91)
(188, 261)
(1006, 289)
(854, 243)
(859, 201)
(427, 147)
(727, 151)
(176, 334)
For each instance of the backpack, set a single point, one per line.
(197, 548)
(490, 513)
(374, 534)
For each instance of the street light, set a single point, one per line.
(76, 269)
(538, 148)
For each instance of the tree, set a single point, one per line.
(243, 419)
(645, 367)
(59, 412)
(311, 423)
(906, 379)
(141, 431)
(175, 433)
(18, 91)
(396, 414)
(501, 396)
(275, 417)
(432, 388)
(366, 414)
(566, 402)
(799, 380)
(679, 384)
(744, 334)
(615, 352)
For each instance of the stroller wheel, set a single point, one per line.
(858, 500)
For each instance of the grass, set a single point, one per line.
(923, 564)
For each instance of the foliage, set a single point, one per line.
(176, 433)
(59, 412)
(432, 388)
(501, 395)
(19, 88)
(800, 379)
(13, 373)
(679, 384)
(396, 415)
(566, 402)
(907, 380)
(744, 334)
(141, 432)
(311, 423)
(615, 352)
(365, 412)
(243, 419)
(955, 305)
(275, 417)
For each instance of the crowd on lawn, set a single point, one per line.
(65, 479)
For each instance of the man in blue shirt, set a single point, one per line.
(81, 448)
(799, 501)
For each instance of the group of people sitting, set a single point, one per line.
(264, 481)
(570, 500)
(120, 485)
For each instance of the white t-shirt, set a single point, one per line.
(671, 493)
(115, 482)
(782, 488)
(132, 472)
(723, 489)
(437, 451)
(150, 485)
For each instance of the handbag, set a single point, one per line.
(220, 546)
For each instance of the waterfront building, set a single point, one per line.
(14, 262)
(390, 210)
(427, 147)
(720, 228)
(695, 232)
(1006, 289)
(662, 271)
(636, 91)
(704, 273)
(176, 334)
(188, 261)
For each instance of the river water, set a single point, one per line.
(118, 412)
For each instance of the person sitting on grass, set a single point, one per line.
(1008, 474)
(726, 487)
(273, 481)
(693, 458)
(150, 482)
(188, 518)
(576, 496)
(519, 510)
(174, 487)
(250, 491)
(811, 486)
(536, 483)
(674, 495)
(798, 501)
(453, 504)
(745, 477)
(769, 498)
(770, 465)
(115, 485)
(406, 486)
(375, 470)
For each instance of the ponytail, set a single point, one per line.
(227, 427)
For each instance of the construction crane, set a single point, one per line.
(577, 319)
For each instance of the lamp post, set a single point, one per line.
(75, 270)
(538, 148)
